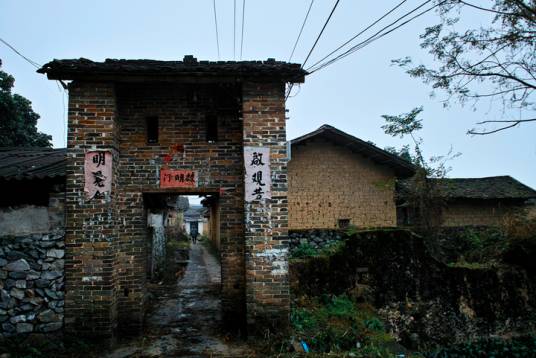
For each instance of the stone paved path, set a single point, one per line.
(186, 320)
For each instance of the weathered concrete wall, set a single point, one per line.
(28, 219)
(328, 183)
(31, 283)
(34, 219)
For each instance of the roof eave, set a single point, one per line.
(402, 168)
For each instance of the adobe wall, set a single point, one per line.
(468, 213)
(328, 183)
(106, 252)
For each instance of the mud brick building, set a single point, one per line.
(336, 179)
(160, 127)
(472, 201)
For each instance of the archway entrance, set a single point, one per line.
(137, 125)
(184, 276)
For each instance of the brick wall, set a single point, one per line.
(181, 116)
(266, 232)
(479, 213)
(90, 233)
(106, 238)
(328, 183)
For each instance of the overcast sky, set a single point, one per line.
(350, 95)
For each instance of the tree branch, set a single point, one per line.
(490, 10)
(509, 121)
(513, 124)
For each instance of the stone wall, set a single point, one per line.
(31, 283)
(317, 238)
(423, 301)
(328, 183)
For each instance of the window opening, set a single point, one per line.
(212, 128)
(152, 130)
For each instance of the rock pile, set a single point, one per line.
(31, 284)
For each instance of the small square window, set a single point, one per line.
(152, 130)
(344, 223)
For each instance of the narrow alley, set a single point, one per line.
(186, 321)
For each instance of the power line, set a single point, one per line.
(314, 45)
(321, 32)
(359, 33)
(242, 37)
(234, 29)
(371, 39)
(377, 35)
(216, 24)
(301, 30)
(33, 63)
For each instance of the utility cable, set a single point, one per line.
(321, 32)
(242, 37)
(359, 33)
(301, 30)
(216, 25)
(234, 29)
(377, 35)
(33, 63)
(314, 45)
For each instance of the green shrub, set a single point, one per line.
(304, 250)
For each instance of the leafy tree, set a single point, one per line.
(18, 121)
(419, 192)
(496, 61)
(404, 152)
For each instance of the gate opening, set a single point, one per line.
(175, 224)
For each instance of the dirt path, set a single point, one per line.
(186, 319)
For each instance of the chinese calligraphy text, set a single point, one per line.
(258, 181)
(178, 178)
(98, 173)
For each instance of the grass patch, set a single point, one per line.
(339, 325)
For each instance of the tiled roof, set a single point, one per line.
(402, 167)
(499, 187)
(32, 163)
(82, 68)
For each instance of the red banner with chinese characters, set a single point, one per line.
(178, 178)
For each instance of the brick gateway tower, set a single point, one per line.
(142, 126)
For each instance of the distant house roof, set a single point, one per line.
(32, 163)
(498, 188)
(194, 213)
(80, 69)
(401, 167)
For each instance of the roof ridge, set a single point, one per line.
(401, 165)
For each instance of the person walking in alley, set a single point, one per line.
(194, 237)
